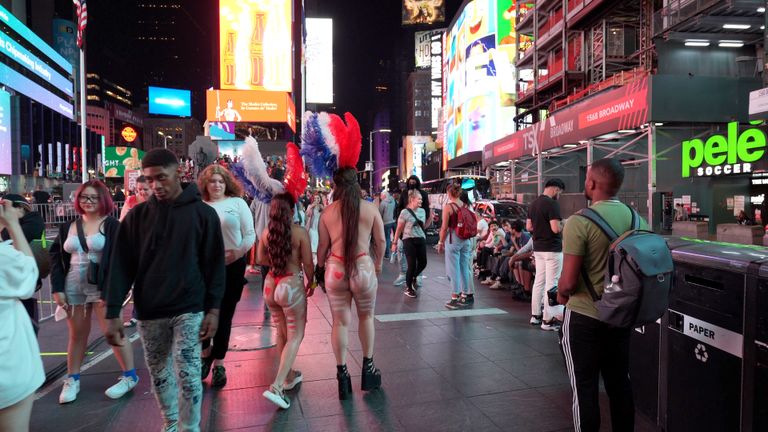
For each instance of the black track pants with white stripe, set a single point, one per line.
(593, 349)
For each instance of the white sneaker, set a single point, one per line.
(419, 281)
(69, 391)
(495, 285)
(487, 281)
(535, 320)
(123, 386)
(400, 280)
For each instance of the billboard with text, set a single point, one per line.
(250, 106)
(255, 44)
(319, 56)
(424, 12)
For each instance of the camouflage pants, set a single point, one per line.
(172, 353)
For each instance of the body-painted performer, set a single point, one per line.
(285, 248)
(345, 262)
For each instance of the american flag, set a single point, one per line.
(82, 20)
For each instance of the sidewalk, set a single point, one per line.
(491, 372)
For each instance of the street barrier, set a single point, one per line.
(740, 234)
(697, 230)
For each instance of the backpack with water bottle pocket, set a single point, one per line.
(638, 274)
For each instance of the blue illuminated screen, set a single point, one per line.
(168, 101)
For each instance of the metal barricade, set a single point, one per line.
(55, 214)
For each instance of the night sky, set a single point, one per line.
(371, 47)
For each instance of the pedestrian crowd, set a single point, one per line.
(300, 239)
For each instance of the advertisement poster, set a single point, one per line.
(168, 101)
(255, 44)
(119, 159)
(5, 132)
(422, 44)
(423, 11)
(221, 130)
(129, 179)
(250, 106)
(319, 58)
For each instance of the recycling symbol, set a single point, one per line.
(701, 353)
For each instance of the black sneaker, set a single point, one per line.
(410, 292)
(219, 376)
(206, 367)
(453, 304)
(467, 301)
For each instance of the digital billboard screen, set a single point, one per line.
(221, 130)
(480, 94)
(250, 106)
(5, 133)
(319, 56)
(423, 11)
(119, 159)
(256, 45)
(168, 101)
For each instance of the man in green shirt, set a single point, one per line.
(591, 347)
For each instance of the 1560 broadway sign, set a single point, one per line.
(723, 154)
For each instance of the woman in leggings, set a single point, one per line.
(285, 248)
(411, 225)
(349, 271)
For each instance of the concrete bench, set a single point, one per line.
(740, 234)
(697, 230)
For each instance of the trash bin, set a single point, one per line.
(645, 358)
(705, 336)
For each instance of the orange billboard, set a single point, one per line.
(250, 106)
(255, 44)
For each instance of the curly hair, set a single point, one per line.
(279, 237)
(105, 203)
(233, 187)
(346, 191)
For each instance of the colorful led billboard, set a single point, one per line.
(423, 12)
(250, 106)
(119, 159)
(255, 44)
(5, 133)
(319, 57)
(168, 101)
(221, 130)
(479, 54)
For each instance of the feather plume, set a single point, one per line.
(327, 123)
(322, 161)
(295, 177)
(256, 170)
(349, 153)
(238, 171)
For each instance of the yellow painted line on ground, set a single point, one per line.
(51, 354)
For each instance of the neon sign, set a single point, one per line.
(733, 153)
(128, 134)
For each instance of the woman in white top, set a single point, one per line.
(223, 192)
(22, 372)
(410, 225)
(313, 218)
(80, 258)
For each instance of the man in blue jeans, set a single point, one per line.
(387, 209)
(171, 250)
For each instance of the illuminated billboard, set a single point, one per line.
(119, 159)
(5, 132)
(221, 130)
(423, 11)
(479, 55)
(250, 106)
(319, 57)
(167, 101)
(255, 45)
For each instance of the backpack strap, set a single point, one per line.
(81, 235)
(454, 216)
(609, 232)
(635, 219)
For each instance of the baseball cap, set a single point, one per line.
(18, 200)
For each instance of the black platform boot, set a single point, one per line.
(371, 376)
(345, 382)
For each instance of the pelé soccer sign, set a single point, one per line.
(733, 153)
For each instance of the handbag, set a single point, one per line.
(40, 252)
(92, 275)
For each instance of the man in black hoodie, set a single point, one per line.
(413, 183)
(170, 249)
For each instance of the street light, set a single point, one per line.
(370, 157)
(165, 139)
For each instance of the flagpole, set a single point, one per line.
(83, 116)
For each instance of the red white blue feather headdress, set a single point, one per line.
(329, 143)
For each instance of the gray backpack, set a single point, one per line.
(643, 263)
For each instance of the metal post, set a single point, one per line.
(512, 178)
(651, 170)
(83, 118)
(540, 172)
(590, 152)
(370, 158)
(765, 46)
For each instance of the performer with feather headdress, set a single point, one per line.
(285, 248)
(345, 262)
